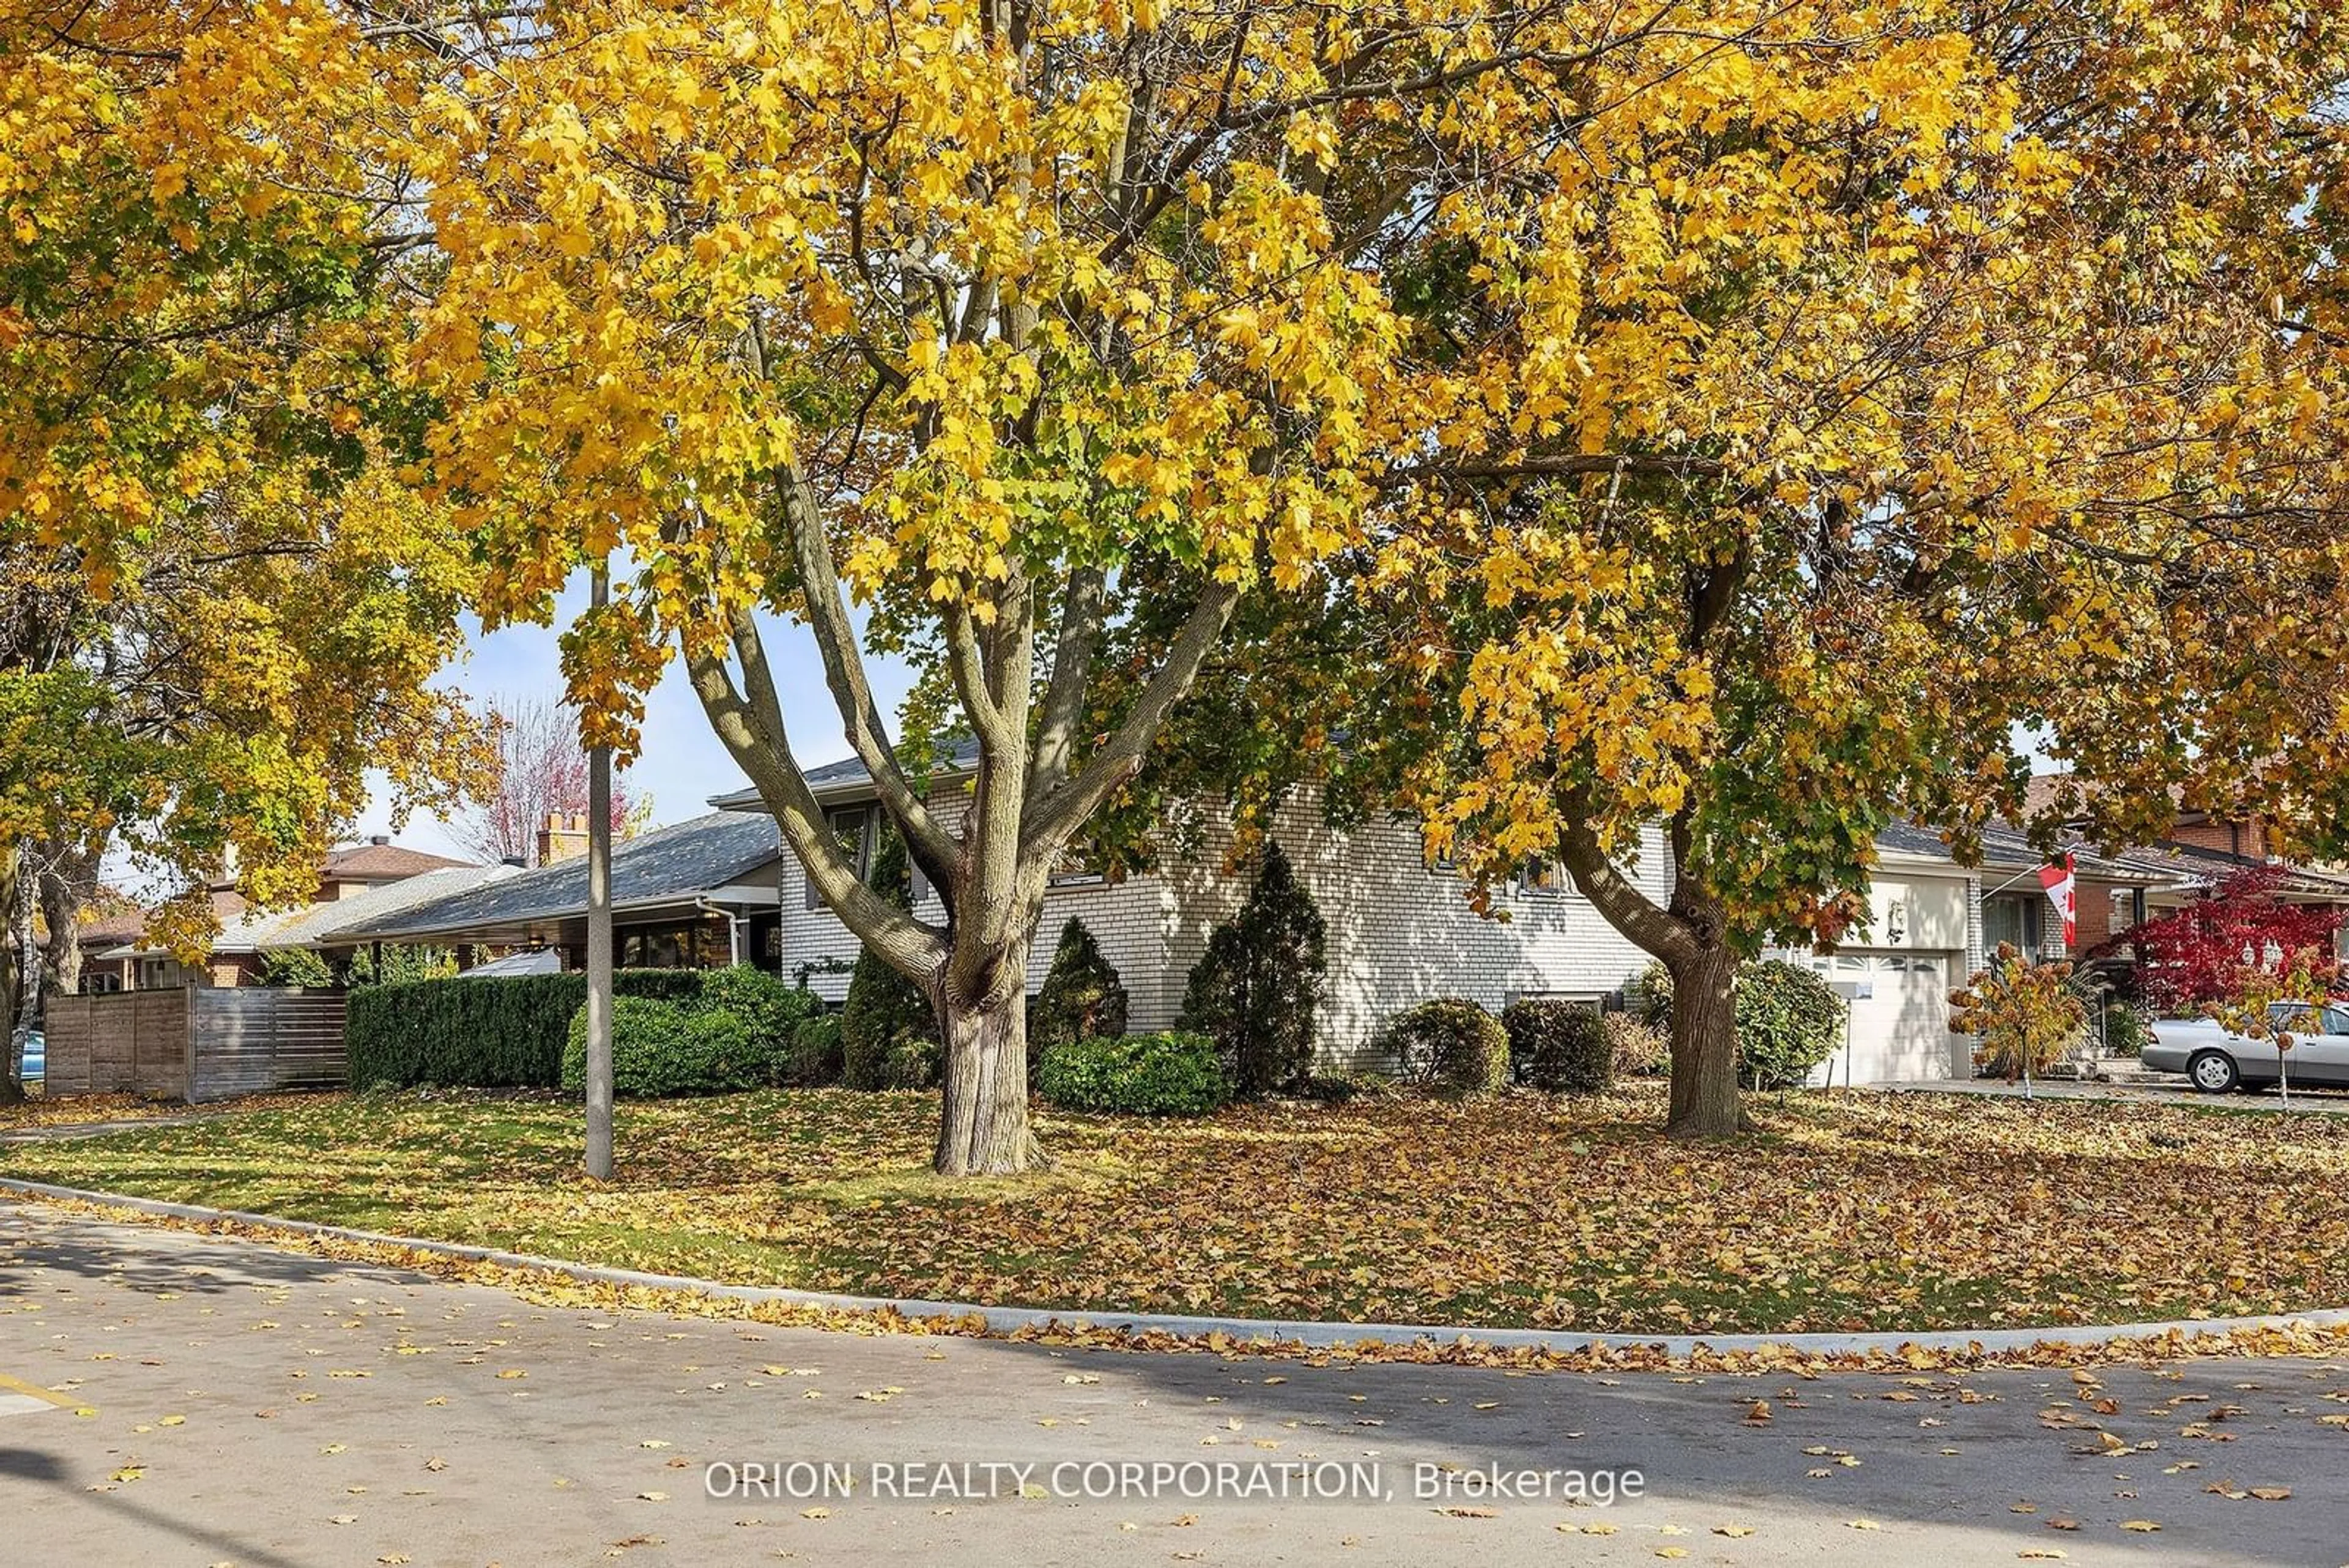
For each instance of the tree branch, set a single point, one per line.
(1053, 825)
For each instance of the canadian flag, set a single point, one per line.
(2061, 883)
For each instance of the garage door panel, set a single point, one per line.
(1899, 1030)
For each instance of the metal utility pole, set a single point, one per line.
(599, 940)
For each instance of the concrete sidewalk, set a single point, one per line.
(262, 1407)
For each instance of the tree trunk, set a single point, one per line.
(983, 1126)
(1704, 1100)
(64, 891)
(28, 977)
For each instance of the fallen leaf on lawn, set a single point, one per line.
(1671, 1550)
(653, 1496)
(1458, 1513)
(1861, 1524)
(2142, 1526)
(436, 1463)
(2063, 1524)
(815, 1513)
(1736, 1532)
(2272, 1494)
(2042, 1553)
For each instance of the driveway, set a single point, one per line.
(180, 1399)
(2155, 1092)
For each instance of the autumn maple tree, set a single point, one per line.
(222, 608)
(1798, 435)
(2195, 953)
(997, 322)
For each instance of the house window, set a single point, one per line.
(1541, 877)
(1439, 862)
(2129, 909)
(853, 828)
(102, 984)
(2014, 920)
(1075, 870)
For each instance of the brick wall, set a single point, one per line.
(1399, 932)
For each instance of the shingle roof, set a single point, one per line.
(843, 776)
(380, 862)
(323, 924)
(677, 862)
(2008, 847)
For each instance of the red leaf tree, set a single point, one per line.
(2196, 954)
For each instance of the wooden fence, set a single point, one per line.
(195, 1044)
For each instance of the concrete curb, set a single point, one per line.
(2165, 1337)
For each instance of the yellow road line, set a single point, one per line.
(18, 1386)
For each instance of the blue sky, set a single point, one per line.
(682, 764)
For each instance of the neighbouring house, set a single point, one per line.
(696, 894)
(2200, 850)
(352, 881)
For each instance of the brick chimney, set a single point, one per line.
(564, 836)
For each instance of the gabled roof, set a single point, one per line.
(669, 865)
(373, 862)
(848, 778)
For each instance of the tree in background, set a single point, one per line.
(1257, 988)
(223, 610)
(541, 769)
(2024, 1016)
(2195, 954)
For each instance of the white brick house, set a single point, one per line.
(1399, 931)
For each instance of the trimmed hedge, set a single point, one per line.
(1560, 1046)
(510, 1032)
(1169, 1075)
(1451, 1044)
(464, 1033)
(661, 1048)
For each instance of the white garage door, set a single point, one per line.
(1900, 1030)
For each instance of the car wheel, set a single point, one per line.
(2213, 1072)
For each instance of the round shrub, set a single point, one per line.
(814, 1059)
(662, 1048)
(1169, 1075)
(1789, 1019)
(1451, 1044)
(1560, 1046)
(1636, 1048)
(769, 1005)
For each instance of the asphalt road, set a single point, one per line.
(169, 1398)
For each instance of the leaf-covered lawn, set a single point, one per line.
(1867, 1211)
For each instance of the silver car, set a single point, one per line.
(2216, 1061)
